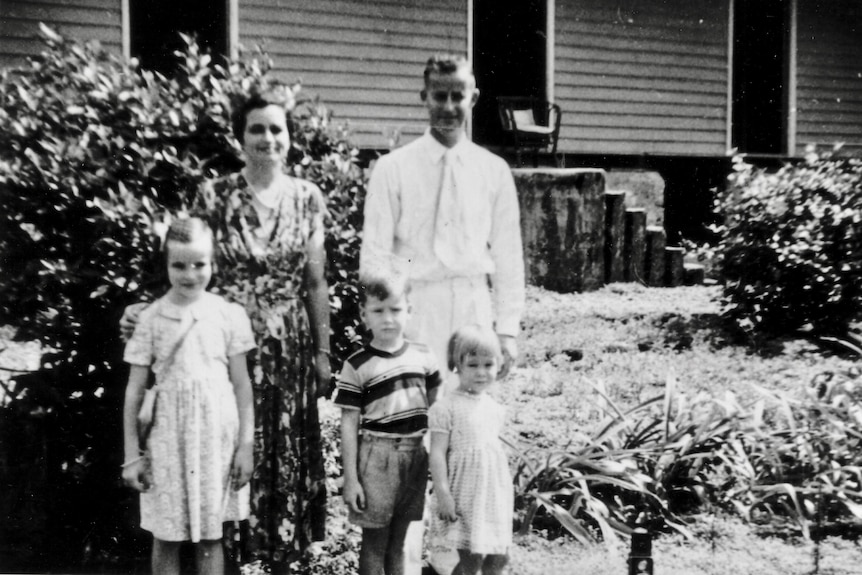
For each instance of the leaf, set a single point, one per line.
(568, 522)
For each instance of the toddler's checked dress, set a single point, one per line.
(479, 476)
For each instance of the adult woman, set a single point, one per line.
(269, 231)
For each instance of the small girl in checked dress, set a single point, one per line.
(472, 482)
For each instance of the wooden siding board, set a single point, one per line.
(674, 109)
(352, 16)
(84, 4)
(60, 14)
(290, 49)
(364, 59)
(372, 10)
(321, 36)
(79, 19)
(829, 74)
(642, 77)
(639, 89)
(640, 66)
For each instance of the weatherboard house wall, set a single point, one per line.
(100, 20)
(364, 58)
(829, 74)
(632, 77)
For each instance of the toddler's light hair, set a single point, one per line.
(472, 340)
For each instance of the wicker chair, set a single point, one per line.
(529, 124)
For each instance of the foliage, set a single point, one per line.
(94, 153)
(340, 552)
(791, 244)
(672, 456)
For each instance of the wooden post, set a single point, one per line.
(634, 245)
(655, 243)
(695, 274)
(674, 272)
(614, 229)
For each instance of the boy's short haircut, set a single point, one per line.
(447, 64)
(382, 285)
(472, 340)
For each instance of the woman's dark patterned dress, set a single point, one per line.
(261, 262)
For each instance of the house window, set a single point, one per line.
(759, 76)
(155, 27)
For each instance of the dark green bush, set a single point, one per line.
(93, 152)
(791, 244)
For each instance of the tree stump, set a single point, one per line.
(563, 227)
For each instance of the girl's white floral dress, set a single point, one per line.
(196, 425)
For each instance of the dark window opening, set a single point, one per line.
(156, 26)
(759, 75)
(509, 58)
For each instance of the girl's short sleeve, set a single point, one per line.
(241, 334)
(140, 349)
(440, 417)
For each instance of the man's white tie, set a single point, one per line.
(450, 233)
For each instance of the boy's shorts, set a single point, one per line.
(393, 473)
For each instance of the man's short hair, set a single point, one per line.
(446, 64)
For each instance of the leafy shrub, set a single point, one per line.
(93, 153)
(796, 460)
(791, 244)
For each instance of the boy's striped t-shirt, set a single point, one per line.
(389, 388)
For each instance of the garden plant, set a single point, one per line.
(790, 248)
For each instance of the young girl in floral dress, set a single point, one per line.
(199, 452)
(472, 483)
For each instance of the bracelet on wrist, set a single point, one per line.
(132, 461)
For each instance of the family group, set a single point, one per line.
(236, 356)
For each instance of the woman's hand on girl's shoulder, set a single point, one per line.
(130, 318)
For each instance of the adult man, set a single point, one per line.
(451, 247)
(446, 211)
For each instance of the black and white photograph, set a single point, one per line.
(463, 287)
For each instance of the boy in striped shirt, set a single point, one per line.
(384, 392)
